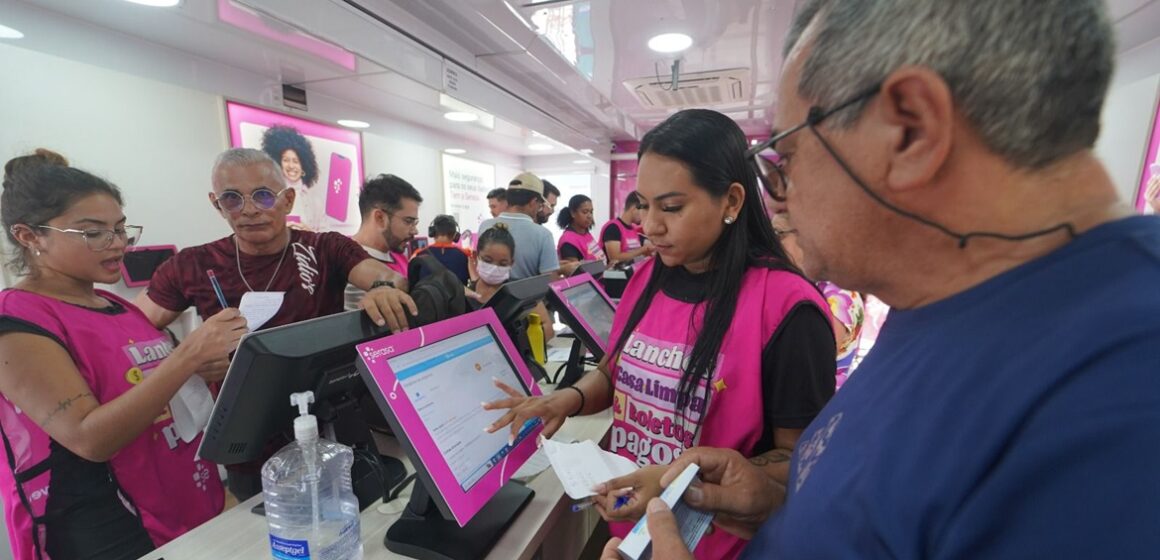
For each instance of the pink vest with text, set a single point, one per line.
(172, 491)
(588, 246)
(647, 374)
(629, 237)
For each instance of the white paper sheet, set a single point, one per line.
(259, 307)
(191, 408)
(580, 466)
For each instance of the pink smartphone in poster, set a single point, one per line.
(338, 188)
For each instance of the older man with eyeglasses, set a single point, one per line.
(310, 270)
(938, 155)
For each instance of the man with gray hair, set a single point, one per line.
(308, 270)
(938, 155)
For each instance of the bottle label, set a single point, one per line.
(286, 549)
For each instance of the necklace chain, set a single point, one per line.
(238, 260)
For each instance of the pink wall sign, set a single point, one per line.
(322, 163)
(1148, 199)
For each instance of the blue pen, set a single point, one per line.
(585, 504)
(217, 289)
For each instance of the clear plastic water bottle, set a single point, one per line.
(310, 507)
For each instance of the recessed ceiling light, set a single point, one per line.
(586, 151)
(461, 116)
(539, 147)
(349, 123)
(580, 161)
(156, 3)
(9, 33)
(455, 151)
(670, 42)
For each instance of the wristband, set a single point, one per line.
(582, 401)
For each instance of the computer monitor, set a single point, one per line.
(594, 269)
(586, 309)
(415, 244)
(512, 304)
(253, 406)
(429, 383)
(139, 263)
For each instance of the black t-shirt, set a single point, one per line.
(570, 252)
(84, 515)
(798, 363)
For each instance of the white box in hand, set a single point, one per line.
(637, 545)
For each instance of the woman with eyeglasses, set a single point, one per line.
(95, 467)
(718, 341)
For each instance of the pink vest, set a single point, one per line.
(647, 374)
(399, 264)
(629, 237)
(171, 490)
(588, 246)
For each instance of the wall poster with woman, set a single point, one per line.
(323, 163)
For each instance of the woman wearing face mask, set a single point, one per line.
(577, 243)
(494, 254)
(718, 341)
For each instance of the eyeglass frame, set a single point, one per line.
(247, 198)
(814, 117)
(110, 235)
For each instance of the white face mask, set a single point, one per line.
(492, 274)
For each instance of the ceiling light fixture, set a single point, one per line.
(9, 33)
(670, 42)
(156, 3)
(455, 151)
(580, 161)
(586, 151)
(460, 116)
(349, 123)
(540, 147)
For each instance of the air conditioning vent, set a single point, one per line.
(697, 89)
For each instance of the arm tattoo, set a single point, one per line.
(771, 458)
(63, 406)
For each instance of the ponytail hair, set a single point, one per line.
(566, 216)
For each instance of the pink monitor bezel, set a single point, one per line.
(374, 355)
(558, 288)
(125, 272)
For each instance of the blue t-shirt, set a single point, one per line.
(535, 249)
(1018, 419)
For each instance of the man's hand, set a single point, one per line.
(741, 494)
(666, 538)
(389, 306)
(215, 371)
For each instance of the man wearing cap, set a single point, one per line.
(535, 248)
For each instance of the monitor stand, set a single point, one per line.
(373, 474)
(422, 532)
(574, 367)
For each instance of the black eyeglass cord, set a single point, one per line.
(962, 238)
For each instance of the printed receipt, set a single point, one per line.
(582, 465)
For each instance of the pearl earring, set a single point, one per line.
(38, 252)
(728, 220)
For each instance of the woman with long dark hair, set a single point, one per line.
(719, 340)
